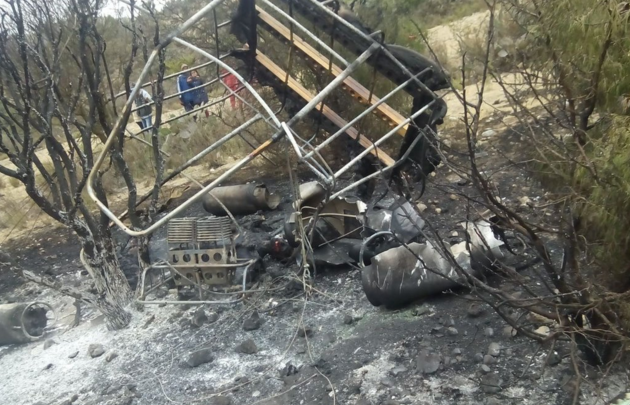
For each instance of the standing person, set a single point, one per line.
(184, 81)
(138, 120)
(200, 94)
(145, 110)
(233, 84)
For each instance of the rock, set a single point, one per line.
(212, 317)
(456, 352)
(525, 201)
(421, 207)
(288, 370)
(126, 401)
(475, 310)
(421, 310)
(488, 133)
(494, 349)
(71, 400)
(489, 332)
(428, 363)
(453, 197)
(387, 382)
(348, 319)
(73, 355)
(478, 357)
(454, 234)
(363, 401)
(491, 384)
(485, 369)
(438, 211)
(199, 317)
(111, 356)
(49, 366)
(220, 400)
(396, 371)
(487, 359)
(247, 347)
(509, 331)
(451, 331)
(148, 322)
(543, 330)
(390, 402)
(199, 357)
(554, 359)
(305, 331)
(161, 292)
(96, 350)
(330, 337)
(49, 343)
(256, 394)
(253, 322)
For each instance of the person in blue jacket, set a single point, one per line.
(184, 82)
(200, 94)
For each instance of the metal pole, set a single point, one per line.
(363, 114)
(369, 38)
(383, 139)
(307, 32)
(380, 172)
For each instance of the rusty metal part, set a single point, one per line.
(240, 200)
(24, 322)
(338, 218)
(202, 251)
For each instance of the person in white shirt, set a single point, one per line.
(145, 112)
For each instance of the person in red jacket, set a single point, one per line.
(233, 84)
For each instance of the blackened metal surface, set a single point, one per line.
(240, 200)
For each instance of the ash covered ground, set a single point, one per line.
(325, 345)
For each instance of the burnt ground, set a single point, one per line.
(435, 351)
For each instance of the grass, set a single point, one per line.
(184, 139)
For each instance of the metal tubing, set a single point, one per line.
(298, 151)
(379, 172)
(383, 139)
(307, 32)
(333, 84)
(112, 136)
(213, 81)
(122, 93)
(383, 48)
(173, 37)
(363, 114)
(235, 74)
(220, 142)
(202, 107)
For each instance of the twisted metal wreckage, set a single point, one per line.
(328, 224)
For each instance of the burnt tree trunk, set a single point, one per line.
(113, 293)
